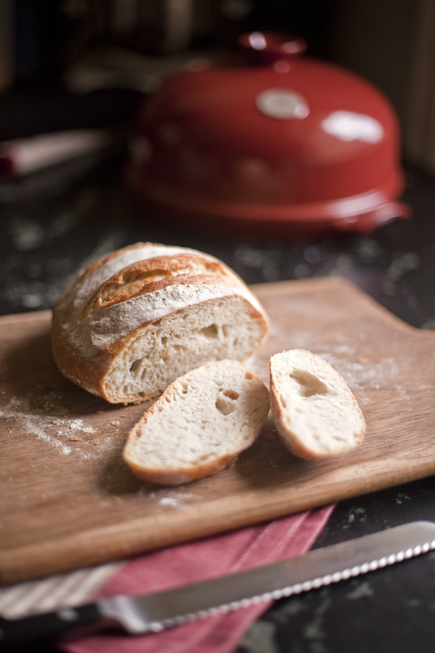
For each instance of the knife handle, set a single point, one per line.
(47, 625)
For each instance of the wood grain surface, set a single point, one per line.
(67, 499)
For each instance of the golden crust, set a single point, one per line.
(145, 276)
(64, 298)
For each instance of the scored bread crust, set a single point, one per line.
(208, 416)
(120, 301)
(313, 409)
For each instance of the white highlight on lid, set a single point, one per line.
(349, 126)
(257, 41)
(282, 104)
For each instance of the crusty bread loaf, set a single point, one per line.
(314, 410)
(142, 316)
(199, 425)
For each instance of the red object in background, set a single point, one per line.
(273, 144)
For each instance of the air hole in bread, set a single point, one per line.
(248, 376)
(225, 405)
(232, 394)
(164, 340)
(210, 331)
(135, 366)
(309, 384)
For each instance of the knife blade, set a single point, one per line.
(155, 612)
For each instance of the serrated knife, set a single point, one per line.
(155, 612)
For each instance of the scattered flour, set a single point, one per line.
(169, 501)
(364, 377)
(360, 373)
(361, 591)
(41, 414)
(176, 498)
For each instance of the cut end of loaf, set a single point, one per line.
(170, 347)
(313, 408)
(199, 425)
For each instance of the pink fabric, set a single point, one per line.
(209, 558)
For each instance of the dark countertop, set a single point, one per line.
(54, 223)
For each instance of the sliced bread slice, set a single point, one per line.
(199, 425)
(313, 408)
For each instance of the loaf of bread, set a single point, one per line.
(199, 425)
(140, 317)
(314, 410)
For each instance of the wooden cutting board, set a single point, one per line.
(67, 499)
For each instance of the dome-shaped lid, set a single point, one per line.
(271, 140)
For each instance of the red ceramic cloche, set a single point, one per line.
(275, 146)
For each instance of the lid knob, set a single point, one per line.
(273, 46)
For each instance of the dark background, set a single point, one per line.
(55, 222)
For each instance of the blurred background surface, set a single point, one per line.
(90, 64)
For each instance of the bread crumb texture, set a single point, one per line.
(165, 350)
(313, 408)
(200, 424)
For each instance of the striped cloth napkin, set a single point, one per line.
(195, 561)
